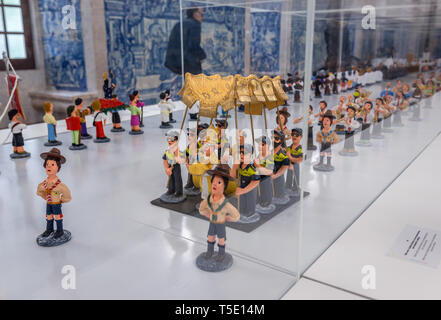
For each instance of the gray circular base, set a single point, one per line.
(281, 201)
(51, 242)
(348, 153)
(118, 130)
(76, 148)
(363, 143)
(265, 210)
(192, 191)
(88, 137)
(292, 193)
(312, 148)
(388, 130)
(172, 121)
(53, 143)
(379, 137)
(136, 133)
(323, 168)
(415, 119)
(106, 140)
(166, 127)
(172, 198)
(20, 155)
(211, 265)
(251, 219)
(397, 125)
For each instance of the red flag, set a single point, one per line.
(16, 98)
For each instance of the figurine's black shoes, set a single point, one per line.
(135, 133)
(53, 143)
(46, 234)
(118, 130)
(20, 155)
(101, 140)
(54, 239)
(88, 137)
(215, 263)
(75, 147)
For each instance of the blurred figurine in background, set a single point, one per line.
(295, 155)
(170, 101)
(298, 87)
(135, 113)
(219, 211)
(350, 127)
(282, 121)
(172, 161)
(108, 89)
(49, 119)
(165, 109)
(74, 125)
(311, 119)
(326, 137)
(366, 117)
(191, 157)
(79, 112)
(264, 164)
(55, 193)
(281, 164)
(99, 121)
(17, 127)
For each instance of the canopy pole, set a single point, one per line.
(183, 121)
(252, 128)
(266, 121)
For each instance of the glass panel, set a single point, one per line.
(14, 19)
(17, 47)
(2, 28)
(12, 2)
(2, 44)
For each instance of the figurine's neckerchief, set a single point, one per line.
(49, 190)
(328, 134)
(221, 206)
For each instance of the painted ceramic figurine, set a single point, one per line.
(389, 108)
(350, 125)
(366, 117)
(295, 155)
(165, 109)
(172, 161)
(135, 113)
(323, 109)
(108, 89)
(281, 164)
(219, 211)
(79, 104)
(379, 113)
(17, 127)
(249, 182)
(51, 123)
(55, 193)
(326, 137)
(170, 101)
(335, 84)
(401, 104)
(73, 123)
(340, 113)
(311, 119)
(99, 121)
(191, 157)
(264, 164)
(327, 84)
(317, 85)
(282, 121)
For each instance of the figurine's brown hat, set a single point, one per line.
(285, 112)
(54, 153)
(329, 114)
(221, 170)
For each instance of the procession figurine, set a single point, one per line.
(282, 121)
(108, 89)
(335, 84)
(401, 104)
(379, 113)
(290, 83)
(99, 121)
(191, 157)
(249, 182)
(264, 164)
(194, 111)
(351, 125)
(55, 193)
(73, 123)
(79, 112)
(366, 117)
(285, 87)
(295, 155)
(327, 84)
(389, 108)
(340, 112)
(311, 119)
(141, 106)
(219, 211)
(298, 87)
(135, 113)
(51, 123)
(165, 109)
(326, 137)
(169, 100)
(429, 90)
(317, 85)
(17, 127)
(323, 109)
(281, 164)
(387, 91)
(343, 82)
(222, 141)
(172, 161)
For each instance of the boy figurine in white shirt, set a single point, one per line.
(165, 108)
(17, 128)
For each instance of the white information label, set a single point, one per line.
(419, 245)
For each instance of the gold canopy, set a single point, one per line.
(214, 91)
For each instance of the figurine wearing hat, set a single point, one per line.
(281, 164)
(249, 181)
(55, 193)
(191, 157)
(172, 161)
(351, 125)
(295, 155)
(326, 137)
(264, 164)
(366, 117)
(51, 123)
(298, 87)
(17, 127)
(217, 208)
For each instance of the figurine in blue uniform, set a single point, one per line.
(295, 155)
(281, 164)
